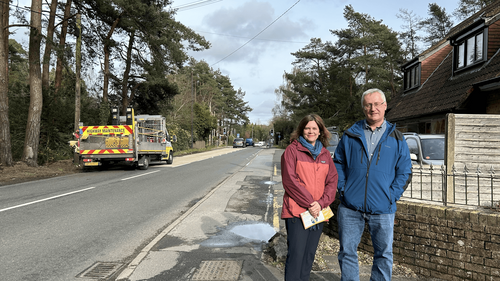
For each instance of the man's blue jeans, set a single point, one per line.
(351, 225)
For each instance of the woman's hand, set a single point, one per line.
(315, 209)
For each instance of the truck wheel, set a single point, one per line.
(170, 158)
(145, 162)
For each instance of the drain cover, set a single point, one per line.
(218, 270)
(101, 270)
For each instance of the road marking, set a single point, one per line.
(127, 272)
(46, 199)
(276, 217)
(140, 175)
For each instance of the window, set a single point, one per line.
(470, 48)
(412, 76)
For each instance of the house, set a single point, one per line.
(460, 74)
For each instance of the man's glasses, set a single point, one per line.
(374, 105)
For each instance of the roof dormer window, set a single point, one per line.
(411, 75)
(470, 48)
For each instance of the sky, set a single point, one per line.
(283, 27)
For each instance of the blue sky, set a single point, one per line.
(258, 67)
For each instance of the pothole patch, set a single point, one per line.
(220, 270)
(101, 270)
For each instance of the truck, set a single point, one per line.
(136, 140)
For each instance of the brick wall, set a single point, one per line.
(442, 242)
(493, 39)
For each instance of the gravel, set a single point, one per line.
(329, 247)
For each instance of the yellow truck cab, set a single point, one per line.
(138, 140)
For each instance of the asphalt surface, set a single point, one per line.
(222, 236)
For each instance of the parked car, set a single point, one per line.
(426, 149)
(260, 143)
(334, 142)
(238, 142)
(249, 142)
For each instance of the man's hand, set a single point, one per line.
(315, 209)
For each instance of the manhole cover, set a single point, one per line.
(101, 270)
(218, 270)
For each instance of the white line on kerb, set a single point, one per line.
(140, 175)
(46, 199)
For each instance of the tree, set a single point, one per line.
(48, 45)
(5, 144)
(61, 46)
(370, 50)
(327, 79)
(204, 122)
(467, 8)
(409, 35)
(30, 151)
(437, 25)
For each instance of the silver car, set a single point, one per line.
(426, 149)
(238, 142)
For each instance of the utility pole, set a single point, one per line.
(192, 109)
(78, 55)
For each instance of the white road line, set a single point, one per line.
(140, 175)
(46, 199)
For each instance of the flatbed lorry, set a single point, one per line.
(136, 140)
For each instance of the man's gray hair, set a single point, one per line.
(371, 91)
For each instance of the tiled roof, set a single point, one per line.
(442, 92)
(487, 12)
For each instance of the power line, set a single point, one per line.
(195, 4)
(257, 34)
(272, 40)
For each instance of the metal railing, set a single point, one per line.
(467, 187)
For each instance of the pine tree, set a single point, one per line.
(467, 8)
(437, 25)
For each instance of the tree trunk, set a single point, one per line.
(32, 138)
(125, 99)
(107, 52)
(78, 66)
(5, 145)
(62, 44)
(49, 42)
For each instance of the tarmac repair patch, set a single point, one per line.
(226, 270)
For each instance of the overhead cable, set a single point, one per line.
(257, 34)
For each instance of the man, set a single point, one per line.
(374, 168)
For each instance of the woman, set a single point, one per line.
(310, 181)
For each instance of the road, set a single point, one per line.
(55, 229)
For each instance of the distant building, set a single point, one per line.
(460, 74)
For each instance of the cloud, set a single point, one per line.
(261, 111)
(231, 27)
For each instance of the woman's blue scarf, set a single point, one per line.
(315, 150)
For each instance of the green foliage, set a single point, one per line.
(18, 114)
(437, 25)
(328, 79)
(204, 122)
(285, 127)
(149, 97)
(467, 8)
(183, 137)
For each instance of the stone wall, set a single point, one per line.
(442, 242)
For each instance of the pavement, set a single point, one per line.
(221, 237)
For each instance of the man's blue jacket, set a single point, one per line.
(372, 186)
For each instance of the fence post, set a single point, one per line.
(443, 185)
(450, 155)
